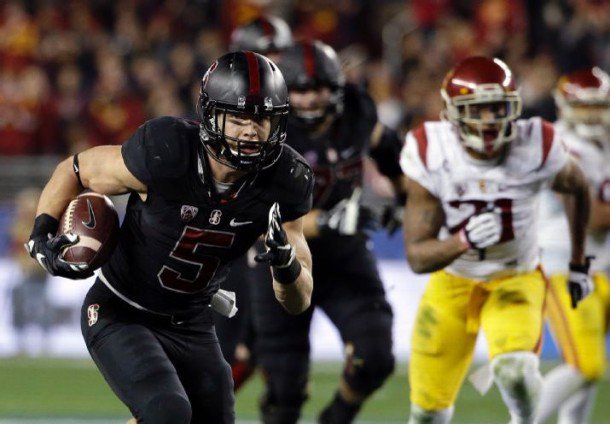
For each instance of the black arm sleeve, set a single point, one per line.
(387, 153)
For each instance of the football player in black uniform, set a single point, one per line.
(334, 126)
(201, 194)
(267, 35)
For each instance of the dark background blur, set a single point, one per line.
(76, 74)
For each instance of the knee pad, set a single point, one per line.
(421, 416)
(512, 370)
(167, 408)
(368, 363)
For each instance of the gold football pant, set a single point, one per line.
(580, 333)
(451, 311)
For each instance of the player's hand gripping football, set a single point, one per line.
(347, 217)
(48, 250)
(580, 284)
(482, 230)
(280, 254)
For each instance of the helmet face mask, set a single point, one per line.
(240, 90)
(583, 101)
(311, 107)
(483, 103)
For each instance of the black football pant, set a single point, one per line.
(348, 289)
(239, 329)
(163, 371)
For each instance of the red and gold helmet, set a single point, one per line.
(482, 83)
(583, 100)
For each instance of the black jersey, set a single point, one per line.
(176, 246)
(337, 156)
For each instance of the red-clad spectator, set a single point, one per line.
(114, 111)
(18, 36)
(28, 119)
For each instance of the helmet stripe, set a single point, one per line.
(253, 74)
(309, 59)
(268, 29)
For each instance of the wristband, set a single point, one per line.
(584, 268)
(44, 224)
(287, 275)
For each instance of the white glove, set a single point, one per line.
(482, 230)
(580, 284)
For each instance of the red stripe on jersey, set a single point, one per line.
(309, 59)
(548, 134)
(253, 73)
(422, 143)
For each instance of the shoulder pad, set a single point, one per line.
(168, 147)
(359, 105)
(291, 180)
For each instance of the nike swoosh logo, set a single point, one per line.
(42, 261)
(91, 223)
(234, 223)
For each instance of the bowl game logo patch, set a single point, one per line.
(92, 313)
(188, 213)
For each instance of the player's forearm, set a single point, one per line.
(432, 254)
(295, 297)
(599, 221)
(59, 191)
(578, 207)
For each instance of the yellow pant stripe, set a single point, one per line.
(561, 329)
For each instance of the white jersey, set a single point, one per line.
(434, 157)
(595, 163)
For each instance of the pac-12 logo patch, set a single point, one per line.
(215, 217)
(188, 213)
(92, 313)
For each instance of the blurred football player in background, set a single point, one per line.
(471, 220)
(30, 302)
(583, 102)
(334, 126)
(201, 194)
(267, 35)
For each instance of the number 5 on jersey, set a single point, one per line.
(192, 261)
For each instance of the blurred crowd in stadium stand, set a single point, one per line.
(77, 73)
(81, 73)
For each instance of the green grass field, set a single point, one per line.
(72, 391)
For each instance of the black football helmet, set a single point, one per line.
(243, 83)
(309, 65)
(265, 34)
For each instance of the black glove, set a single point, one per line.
(47, 249)
(393, 215)
(347, 218)
(580, 284)
(280, 254)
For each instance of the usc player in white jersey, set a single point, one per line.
(473, 182)
(583, 101)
